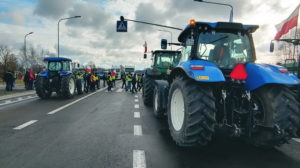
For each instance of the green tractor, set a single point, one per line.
(58, 77)
(162, 63)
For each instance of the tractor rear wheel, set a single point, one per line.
(191, 112)
(277, 108)
(147, 91)
(41, 88)
(68, 86)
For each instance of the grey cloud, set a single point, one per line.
(69, 51)
(91, 16)
(52, 8)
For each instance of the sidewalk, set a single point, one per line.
(20, 92)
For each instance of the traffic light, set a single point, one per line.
(164, 44)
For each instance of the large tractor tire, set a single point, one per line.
(277, 108)
(41, 88)
(157, 110)
(191, 112)
(68, 86)
(147, 91)
(79, 86)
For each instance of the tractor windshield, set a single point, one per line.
(167, 59)
(59, 66)
(225, 49)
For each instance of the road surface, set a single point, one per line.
(114, 130)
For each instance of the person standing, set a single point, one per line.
(123, 77)
(93, 81)
(97, 81)
(26, 80)
(9, 80)
(104, 79)
(129, 81)
(139, 82)
(31, 79)
(109, 81)
(133, 89)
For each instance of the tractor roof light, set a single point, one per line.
(192, 22)
(239, 72)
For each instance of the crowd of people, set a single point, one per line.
(10, 78)
(132, 83)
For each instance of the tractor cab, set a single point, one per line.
(222, 43)
(164, 60)
(57, 66)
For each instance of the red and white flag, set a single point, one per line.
(145, 45)
(289, 23)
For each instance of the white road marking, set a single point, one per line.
(136, 100)
(16, 101)
(136, 106)
(137, 130)
(20, 98)
(119, 90)
(137, 115)
(25, 124)
(139, 159)
(136, 96)
(69, 104)
(296, 139)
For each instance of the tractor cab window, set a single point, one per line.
(54, 66)
(224, 49)
(66, 66)
(167, 59)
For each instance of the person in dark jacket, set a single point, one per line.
(133, 89)
(123, 77)
(26, 80)
(9, 80)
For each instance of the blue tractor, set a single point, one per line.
(218, 86)
(58, 77)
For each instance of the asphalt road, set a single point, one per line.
(114, 130)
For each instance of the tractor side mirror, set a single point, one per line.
(164, 44)
(145, 56)
(271, 46)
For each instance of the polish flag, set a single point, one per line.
(289, 23)
(145, 45)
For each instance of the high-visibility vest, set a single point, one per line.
(93, 78)
(110, 78)
(129, 78)
(113, 77)
(96, 78)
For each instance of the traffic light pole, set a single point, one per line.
(148, 23)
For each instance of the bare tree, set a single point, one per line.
(8, 60)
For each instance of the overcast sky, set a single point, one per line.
(93, 37)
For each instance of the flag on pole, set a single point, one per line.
(145, 45)
(286, 25)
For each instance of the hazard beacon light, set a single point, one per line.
(239, 72)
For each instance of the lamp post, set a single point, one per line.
(170, 34)
(25, 49)
(58, 30)
(216, 3)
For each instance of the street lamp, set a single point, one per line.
(216, 3)
(170, 34)
(25, 49)
(58, 30)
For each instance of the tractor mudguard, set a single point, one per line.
(163, 91)
(65, 73)
(207, 72)
(43, 74)
(152, 73)
(262, 74)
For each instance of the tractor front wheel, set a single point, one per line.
(147, 90)
(191, 112)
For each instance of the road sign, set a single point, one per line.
(121, 26)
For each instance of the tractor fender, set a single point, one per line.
(149, 72)
(43, 74)
(262, 74)
(209, 73)
(163, 92)
(65, 73)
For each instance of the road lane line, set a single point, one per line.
(11, 102)
(7, 101)
(136, 106)
(136, 96)
(69, 104)
(20, 98)
(119, 90)
(25, 124)
(296, 139)
(139, 159)
(136, 100)
(137, 130)
(137, 115)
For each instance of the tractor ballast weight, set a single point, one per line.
(217, 84)
(58, 77)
